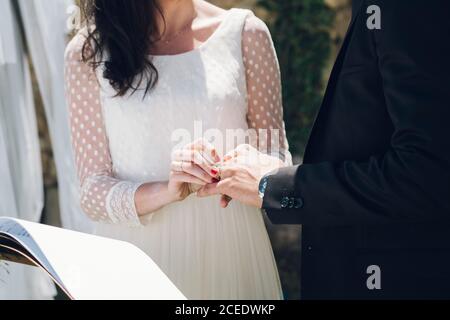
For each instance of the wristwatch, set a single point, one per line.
(263, 186)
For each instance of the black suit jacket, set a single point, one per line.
(374, 188)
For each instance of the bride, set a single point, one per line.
(137, 73)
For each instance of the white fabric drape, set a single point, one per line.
(21, 183)
(46, 34)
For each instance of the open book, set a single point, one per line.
(86, 267)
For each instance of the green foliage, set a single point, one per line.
(300, 30)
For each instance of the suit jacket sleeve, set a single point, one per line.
(412, 180)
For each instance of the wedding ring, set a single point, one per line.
(177, 166)
(181, 166)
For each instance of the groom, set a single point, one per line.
(373, 194)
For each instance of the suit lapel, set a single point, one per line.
(356, 11)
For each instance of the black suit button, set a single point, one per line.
(291, 203)
(299, 203)
(284, 202)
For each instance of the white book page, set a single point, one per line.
(91, 267)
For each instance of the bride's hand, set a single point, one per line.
(192, 168)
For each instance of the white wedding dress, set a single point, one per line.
(231, 81)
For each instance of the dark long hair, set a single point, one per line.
(124, 29)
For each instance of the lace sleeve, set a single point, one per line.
(103, 198)
(265, 107)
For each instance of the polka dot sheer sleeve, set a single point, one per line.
(265, 107)
(103, 197)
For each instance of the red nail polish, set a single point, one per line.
(214, 172)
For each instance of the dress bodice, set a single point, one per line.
(199, 93)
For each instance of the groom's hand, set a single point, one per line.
(241, 174)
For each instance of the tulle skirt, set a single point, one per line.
(208, 252)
